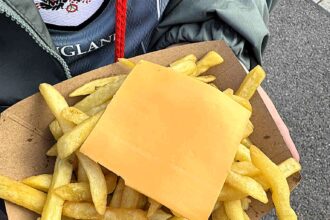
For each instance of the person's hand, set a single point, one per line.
(279, 122)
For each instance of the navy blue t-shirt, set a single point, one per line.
(87, 42)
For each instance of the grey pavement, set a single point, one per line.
(297, 60)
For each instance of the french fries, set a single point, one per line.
(97, 183)
(118, 194)
(247, 185)
(111, 182)
(278, 184)
(100, 96)
(41, 182)
(220, 213)
(245, 203)
(75, 192)
(229, 193)
(247, 142)
(52, 209)
(55, 129)
(81, 174)
(129, 64)
(124, 214)
(21, 194)
(243, 153)
(52, 152)
(287, 167)
(245, 168)
(251, 82)
(190, 57)
(160, 215)
(73, 139)
(211, 59)
(130, 198)
(243, 102)
(74, 115)
(206, 78)
(186, 67)
(249, 129)
(92, 86)
(153, 207)
(234, 209)
(56, 104)
(252, 173)
(97, 109)
(80, 210)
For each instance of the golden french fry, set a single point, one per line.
(229, 193)
(245, 203)
(206, 78)
(219, 213)
(118, 194)
(92, 86)
(21, 194)
(245, 168)
(81, 174)
(211, 59)
(52, 152)
(190, 57)
(72, 140)
(56, 104)
(97, 183)
(62, 175)
(160, 215)
(130, 198)
(234, 209)
(246, 217)
(40, 182)
(178, 218)
(79, 192)
(111, 181)
(124, 214)
(243, 153)
(80, 210)
(247, 185)
(55, 129)
(100, 96)
(278, 184)
(186, 67)
(153, 207)
(74, 115)
(249, 129)
(251, 82)
(243, 102)
(74, 192)
(229, 91)
(287, 167)
(126, 62)
(213, 85)
(142, 202)
(97, 109)
(247, 142)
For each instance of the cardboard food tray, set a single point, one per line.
(25, 137)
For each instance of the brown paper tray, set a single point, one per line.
(25, 137)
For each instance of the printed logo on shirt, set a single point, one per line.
(79, 49)
(67, 13)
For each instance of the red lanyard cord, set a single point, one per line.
(120, 28)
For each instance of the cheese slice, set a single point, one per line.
(171, 137)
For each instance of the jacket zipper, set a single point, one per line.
(9, 12)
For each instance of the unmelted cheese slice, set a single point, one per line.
(171, 137)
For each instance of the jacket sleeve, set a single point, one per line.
(242, 24)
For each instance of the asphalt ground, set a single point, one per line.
(297, 60)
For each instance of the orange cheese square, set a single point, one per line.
(171, 137)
